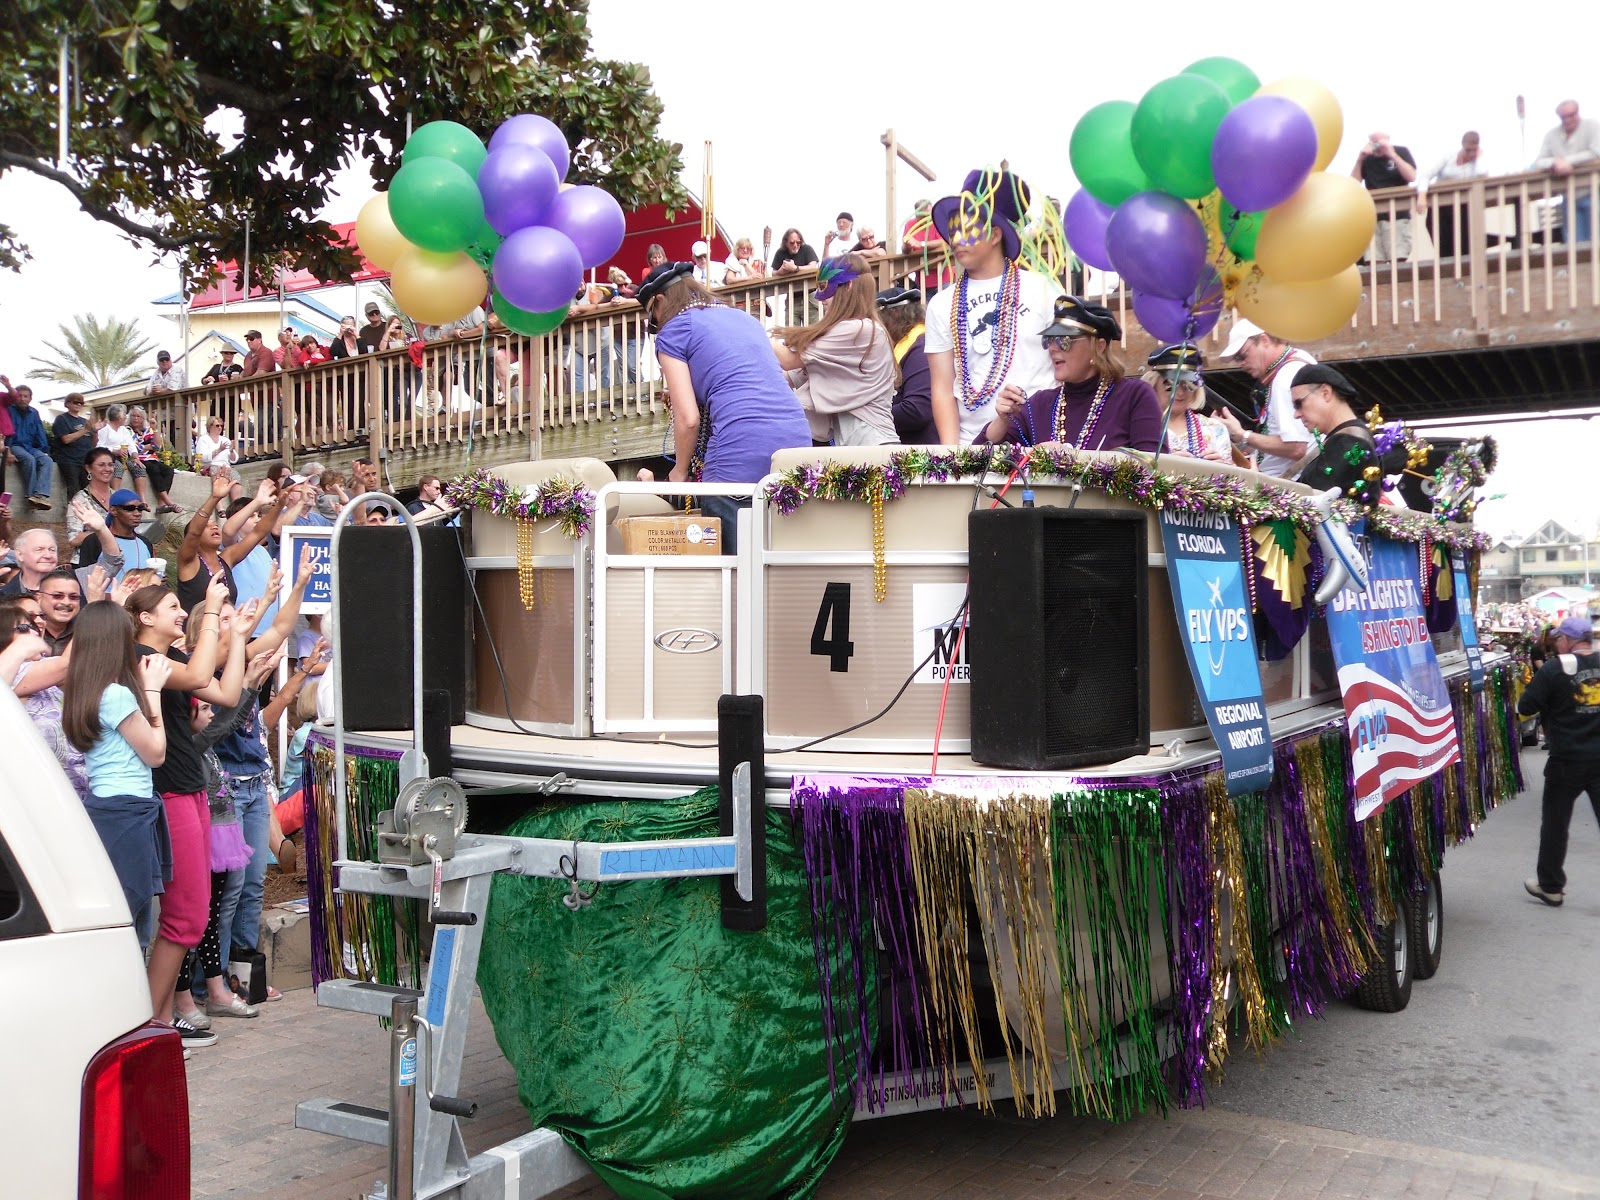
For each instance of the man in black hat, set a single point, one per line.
(1566, 693)
(900, 309)
(984, 331)
(371, 335)
(167, 378)
(1324, 400)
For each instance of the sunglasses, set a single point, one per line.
(1062, 341)
(25, 627)
(58, 596)
(134, 507)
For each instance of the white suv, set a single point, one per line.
(94, 1102)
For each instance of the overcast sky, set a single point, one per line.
(794, 98)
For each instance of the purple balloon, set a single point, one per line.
(1263, 151)
(518, 183)
(1170, 320)
(592, 219)
(538, 269)
(1085, 223)
(1157, 244)
(530, 129)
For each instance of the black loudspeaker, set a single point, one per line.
(1059, 640)
(377, 625)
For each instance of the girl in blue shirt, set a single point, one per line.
(112, 712)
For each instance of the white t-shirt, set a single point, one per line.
(1030, 362)
(119, 439)
(1281, 421)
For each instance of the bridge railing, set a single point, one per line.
(1486, 253)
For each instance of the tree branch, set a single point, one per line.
(237, 95)
(149, 233)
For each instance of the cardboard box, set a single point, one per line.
(682, 534)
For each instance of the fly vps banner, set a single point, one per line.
(1397, 708)
(1219, 639)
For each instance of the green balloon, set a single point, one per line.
(483, 245)
(1240, 230)
(435, 204)
(1172, 131)
(1102, 154)
(1237, 81)
(520, 320)
(447, 139)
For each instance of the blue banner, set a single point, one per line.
(1397, 709)
(1469, 623)
(1219, 639)
(319, 538)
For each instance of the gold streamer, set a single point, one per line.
(1346, 934)
(1227, 851)
(1372, 831)
(936, 840)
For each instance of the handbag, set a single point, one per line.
(247, 975)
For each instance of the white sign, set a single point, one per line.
(934, 633)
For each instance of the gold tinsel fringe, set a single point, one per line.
(1345, 935)
(1227, 851)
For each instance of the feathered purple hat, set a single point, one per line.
(988, 199)
(833, 274)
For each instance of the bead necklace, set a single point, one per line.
(1194, 441)
(1089, 421)
(1005, 338)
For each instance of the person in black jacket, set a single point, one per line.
(901, 310)
(1566, 694)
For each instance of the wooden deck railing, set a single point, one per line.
(1500, 251)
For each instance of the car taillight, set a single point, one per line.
(135, 1127)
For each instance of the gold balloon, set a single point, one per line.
(1321, 229)
(1320, 105)
(376, 237)
(436, 289)
(1301, 312)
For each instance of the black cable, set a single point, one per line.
(505, 687)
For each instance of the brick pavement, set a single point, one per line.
(244, 1089)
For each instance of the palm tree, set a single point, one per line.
(96, 355)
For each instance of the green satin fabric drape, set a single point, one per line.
(679, 1058)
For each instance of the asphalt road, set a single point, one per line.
(1499, 1053)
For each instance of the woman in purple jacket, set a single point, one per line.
(1094, 405)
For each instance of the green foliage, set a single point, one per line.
(194, 114)
(95, 355)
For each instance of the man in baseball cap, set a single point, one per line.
(1566, 693)
(371, 335)
(1280, 439)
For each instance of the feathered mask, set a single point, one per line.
(833, 274)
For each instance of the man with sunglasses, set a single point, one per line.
(60, 601)
(1325, 401)
(1273, 363)
(131, 551)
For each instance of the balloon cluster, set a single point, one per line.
(457, 209)
(1212, 192)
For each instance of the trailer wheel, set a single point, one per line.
(1386, 987)
(1425, 911)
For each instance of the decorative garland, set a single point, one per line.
(565, 501)
(1130, 479)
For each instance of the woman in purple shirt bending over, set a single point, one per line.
(731, 407)
(1093, 406)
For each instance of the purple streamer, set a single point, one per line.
(1190, 932)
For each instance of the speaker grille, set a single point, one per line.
(1059, 637)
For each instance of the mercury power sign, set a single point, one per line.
(1208, 591)
(1401, 724)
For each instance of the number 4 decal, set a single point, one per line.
(834, 612)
